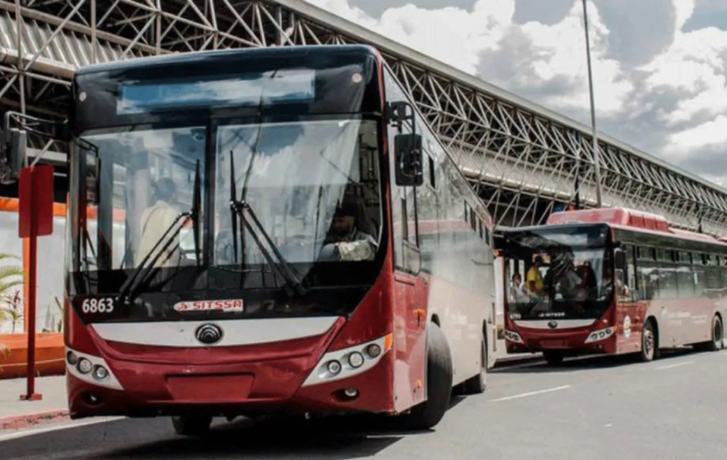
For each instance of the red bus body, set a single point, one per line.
(266, 365)
(680, 315)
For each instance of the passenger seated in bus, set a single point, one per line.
(156, 220)
(345, 238)
(517, 287)
(534, 277)
(588, 277)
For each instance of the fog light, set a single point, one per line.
(72, 358)
(100, 373)
(350, 392)
(334, 367)
(355, 359)
(373, 350)
(84, 366)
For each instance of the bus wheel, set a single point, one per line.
(553, 358)
(648, 343)
(717, 334)
(478, 384)
(439, 384)
(186, 425)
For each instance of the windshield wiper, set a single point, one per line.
(294, 282)
(147, 265)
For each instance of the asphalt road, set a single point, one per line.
(673, 408)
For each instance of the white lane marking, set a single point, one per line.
(670, 366)
(65, 426)
(531, 393)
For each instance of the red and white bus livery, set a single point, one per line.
(612, 281)
(268, 235)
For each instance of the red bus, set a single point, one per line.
(612, 281)
(244, 239)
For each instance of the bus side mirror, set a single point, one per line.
(15, 153)
(620, 259)
(409, 159)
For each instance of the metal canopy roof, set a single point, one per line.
(522, 158)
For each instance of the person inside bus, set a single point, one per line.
(517, 287)
(345, 240)
(588, 277)
(566, 277)
(609, 282)
(534, 277)
(156, 220)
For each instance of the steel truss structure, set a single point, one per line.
(521, 158)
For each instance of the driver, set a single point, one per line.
(350, 242)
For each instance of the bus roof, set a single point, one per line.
(624, 219)
(208, 56)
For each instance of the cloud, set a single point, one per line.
(659, 82)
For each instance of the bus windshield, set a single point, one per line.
(313, 187)
(558, 272)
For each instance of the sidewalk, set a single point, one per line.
(15, 414)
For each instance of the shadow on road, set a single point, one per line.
(329, 438)
(589, 362)
(335, 438)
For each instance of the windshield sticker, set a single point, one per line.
(235, 305)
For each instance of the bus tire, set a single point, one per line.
(649, 343)
(717, 335)
(187, 425)
(478, 384)
(439, 384)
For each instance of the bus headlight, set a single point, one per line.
(512, 336)
(91, 369)
(72, 358)
(356, 359)
(345, 363)
(334, 367)
(100, 373)
(601, 334)
(84, 366)
(373, 350)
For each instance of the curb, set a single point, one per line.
(16, 422)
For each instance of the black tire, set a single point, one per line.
(186, 425)
(553, 358)
(478, 384)
(649, 343)
(439, 384)
(717, 335)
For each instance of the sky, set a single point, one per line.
(660, 66)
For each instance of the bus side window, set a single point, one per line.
(700, 282)
(647, 274)
(685, 275)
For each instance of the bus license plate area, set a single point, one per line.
(554, 343)
(210, 388)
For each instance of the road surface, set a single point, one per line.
(673, 408)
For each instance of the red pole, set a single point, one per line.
(32, 268)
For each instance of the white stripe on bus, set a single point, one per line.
(235, 332)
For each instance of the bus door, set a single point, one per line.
(628, 310)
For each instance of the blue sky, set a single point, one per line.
(660, 66)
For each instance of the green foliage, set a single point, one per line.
(11, 277)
